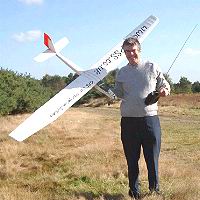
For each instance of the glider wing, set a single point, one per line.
(57, 105)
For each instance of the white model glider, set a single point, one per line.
(88, 79)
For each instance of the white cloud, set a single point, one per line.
(192, 52)
(27, 36)
(29, 2)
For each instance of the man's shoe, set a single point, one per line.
(134, 195)
(155, 191)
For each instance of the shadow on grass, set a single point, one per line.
(92, 196)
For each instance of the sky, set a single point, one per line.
(93, 27)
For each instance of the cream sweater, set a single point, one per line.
(134, 83)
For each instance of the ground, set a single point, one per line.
(80, 155)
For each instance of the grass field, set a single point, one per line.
(80, 155)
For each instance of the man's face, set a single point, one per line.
(132, 54)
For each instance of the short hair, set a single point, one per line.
(131, 41)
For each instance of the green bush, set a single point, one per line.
(20, 93)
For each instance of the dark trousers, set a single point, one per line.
(145, 132)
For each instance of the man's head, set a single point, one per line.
(132, 49)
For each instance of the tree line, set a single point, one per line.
(21, 93)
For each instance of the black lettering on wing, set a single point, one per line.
(98, 70)
(140, 31)
(116, 54)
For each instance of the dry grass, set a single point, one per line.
(80, 156)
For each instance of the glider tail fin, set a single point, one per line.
(49, 43)
(53, 49)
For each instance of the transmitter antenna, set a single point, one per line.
(181, 48)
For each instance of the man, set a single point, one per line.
(140, 126)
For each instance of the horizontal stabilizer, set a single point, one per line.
(44, 56)
(53, 49)
(61, 44)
